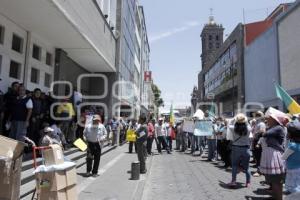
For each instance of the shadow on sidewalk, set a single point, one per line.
(257, 198)
(226, 186)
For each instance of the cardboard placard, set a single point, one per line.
(203, 128)
(80, 144)
(188, 126)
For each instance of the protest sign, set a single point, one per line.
(203, 128)
(188, 126)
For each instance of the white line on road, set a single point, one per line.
(90, 180)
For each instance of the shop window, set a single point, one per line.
(15, 70)
(35, 75)
(17, 43)
(2, 30)
(36, 52)
(0, 64)
(47, 81)
(49, 59)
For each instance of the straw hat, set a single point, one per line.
(277, 115)
(241, 118)
(96, 118)
(259, 113)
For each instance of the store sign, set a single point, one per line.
(147, 76)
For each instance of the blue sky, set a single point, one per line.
(174, 28)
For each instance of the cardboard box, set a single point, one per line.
(69, 193)
(58, 180)
(10, 181)
(10, 168)
(72, 193)
(54, 155)
(11, 148)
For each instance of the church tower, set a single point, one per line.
(212, 39)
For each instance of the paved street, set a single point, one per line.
(183, 177)
(176, 176)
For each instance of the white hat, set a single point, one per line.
(48, 129)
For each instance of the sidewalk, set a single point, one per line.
(114, 181)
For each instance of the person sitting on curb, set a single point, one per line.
(49, 137)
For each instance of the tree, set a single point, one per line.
(158, 101)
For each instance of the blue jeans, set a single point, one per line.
(240, 156)
(212, 147)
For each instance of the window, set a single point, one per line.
(0, 63)
(35, 75)
(2, 34)
(17, 43)
(15, 70)
(49, 59)
(217, 38)
(210, 45)
(218, 45)
(47, 81)
(210, 37)
(36, 52)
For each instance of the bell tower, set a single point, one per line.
(212, 39)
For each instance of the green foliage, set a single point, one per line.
(157, 96)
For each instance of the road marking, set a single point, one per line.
(90, 180)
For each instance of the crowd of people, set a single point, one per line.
(271, 139)
(31, 117)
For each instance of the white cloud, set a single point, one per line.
(187, 26)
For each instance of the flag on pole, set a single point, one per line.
(211, 111)
(288, 101)
(172, 118)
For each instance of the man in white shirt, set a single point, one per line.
(20, 115)
(161, 133)
(94, 133)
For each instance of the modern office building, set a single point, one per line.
(43, 42)
(79, 43)
(132, 58)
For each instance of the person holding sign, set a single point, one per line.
(142, 133)
(94, 133)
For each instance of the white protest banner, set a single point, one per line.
(188, 126)
(203, 128)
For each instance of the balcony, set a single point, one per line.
(76, 26)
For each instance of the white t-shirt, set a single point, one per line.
(160, 130)
(95, 133)
(29, 103)
(77, 98)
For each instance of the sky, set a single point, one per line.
(174, 28)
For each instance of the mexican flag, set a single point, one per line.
(288, 101)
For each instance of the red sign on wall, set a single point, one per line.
(147, 76)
